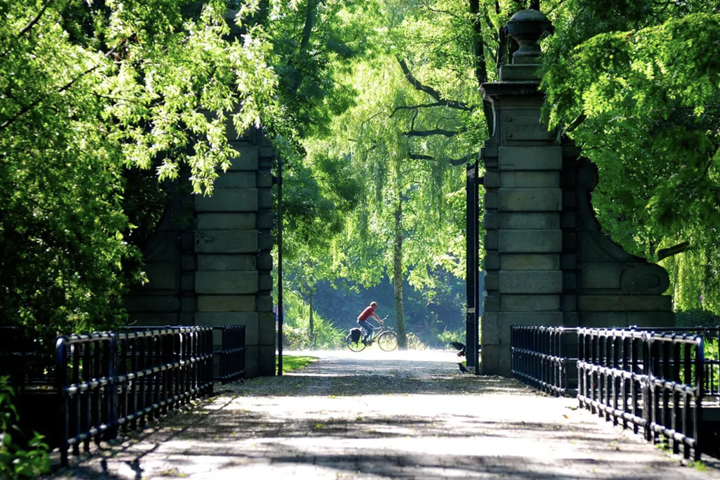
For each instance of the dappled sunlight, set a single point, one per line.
(400, 418)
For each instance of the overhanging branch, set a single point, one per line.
(32, 23)
(452, 161)
(417, 85)
(674, 250)
(429, 133)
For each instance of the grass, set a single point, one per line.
(294, 362)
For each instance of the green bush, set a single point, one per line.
(18, 461)
(448, 336)
(296, 328)
(696, 318)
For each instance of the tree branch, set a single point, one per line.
(437, 131)
(674, 250)
(452, 161)
(417, 85)
(37, 102)
(415, 107)
(32, 23)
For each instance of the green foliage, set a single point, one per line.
(92, 92)
(296, 329)
(18, 461)
(638, 90)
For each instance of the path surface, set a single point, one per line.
(385, 415)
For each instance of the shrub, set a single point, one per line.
(18, 461)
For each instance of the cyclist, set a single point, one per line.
(362, 320)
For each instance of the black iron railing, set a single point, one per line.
(231, 356)
(540, 357)
(110, 381)
(648, 381)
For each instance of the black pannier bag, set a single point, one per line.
(355, 334)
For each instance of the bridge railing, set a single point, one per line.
(655, 381)
(543, 357)
(649, 381)
(109, 381)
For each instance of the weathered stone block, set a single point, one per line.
(264, 261)
(530, 241)
(492, 180)
(491, 261)
(534, 282)
(491, 281)
(567, 220)
(228, 200)
(530, 303)
(226, 241)
(249, 319)
(265, 283)
(626, 303)
(526, 318)
(568, 261)
(266, 327)
(264, 180)
(266, 361)
(265, 220)
(489, 329)
(265, 242)
(252, 361)
(569, 281)
(226, 262)
(226, 282)
(490, 356)
(491, 221)
(188, 304)
(529, 262)
(226, 221)
(491, 199)
(264, 303)
(265, 198)
(529, 221)
(236, 180)
(153, 319)
(226, 303)
(549, 179)
(603, 319)
(492, 303)
(529, 200)
(161, 276)
(530, 158)
(152, 303)
(247, 160)
(491, 240)
(187, 282)
(569, 303)
(188, 262)
(601, 276)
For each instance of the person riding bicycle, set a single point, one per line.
(362, 320)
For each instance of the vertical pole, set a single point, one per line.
(472, 275)
(280, 277)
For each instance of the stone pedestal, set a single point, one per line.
(547, 262)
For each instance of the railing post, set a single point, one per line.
(61, 383)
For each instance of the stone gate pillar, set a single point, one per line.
(547, 261)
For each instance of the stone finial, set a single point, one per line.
(526, 27)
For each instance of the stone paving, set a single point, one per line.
(385, 415)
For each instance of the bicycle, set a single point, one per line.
(386, 339)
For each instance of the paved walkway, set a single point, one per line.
(386, 415)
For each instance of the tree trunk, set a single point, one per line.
(312, 322)
(398, 279)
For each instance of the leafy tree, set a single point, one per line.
(638, 90)
(88, 89)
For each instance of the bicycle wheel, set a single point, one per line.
(358, 346)
(387, 341)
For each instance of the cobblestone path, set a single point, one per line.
(385, 415)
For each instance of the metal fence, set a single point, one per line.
(111, 381)
(540, 357)
(649, 381)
